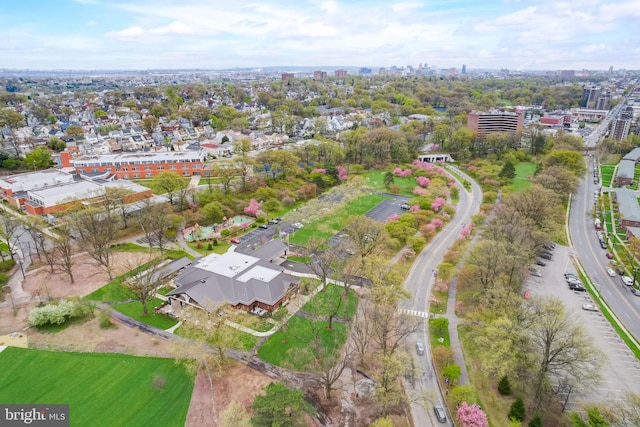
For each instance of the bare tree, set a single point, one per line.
(97, 229)
(9, 228)
(365, 234)
(155, 221)
(321, 260)
(64, 250)
(390, 329)
(143, 282)
(360, 333)
(115, 200)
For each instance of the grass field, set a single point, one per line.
(299, 333)
(406, 185)
(332, 224)
(607, 175)
(523, 171)
(327, 297)
(134, 310)
(102, 389)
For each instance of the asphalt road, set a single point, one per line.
(621, 369)
(419, 282)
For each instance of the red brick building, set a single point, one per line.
(137, 165)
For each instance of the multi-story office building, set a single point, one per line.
(319, 75)
(485, 123)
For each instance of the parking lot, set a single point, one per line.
(621, 369)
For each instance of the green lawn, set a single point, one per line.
(328, 296)
(134, 310)
(607, 175)
(111, 292)
(245, 341)
(102, 389)
(332, 224)
(523, 171)
(299, 334)
(406, 185)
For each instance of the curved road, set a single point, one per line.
(419, 282)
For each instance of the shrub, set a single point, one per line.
(225, 232)
(58, 312)
(159, 381)
(7, 265)
(536, 421)
(209, 247)
(517, 411)
(504, 386)
(105, 319)
(288, 201)
(4, 279)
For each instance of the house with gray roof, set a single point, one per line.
(628, 208)
(626, 169)
(251, 282)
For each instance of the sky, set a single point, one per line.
(214, 34)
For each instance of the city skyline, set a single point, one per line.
(173, 34)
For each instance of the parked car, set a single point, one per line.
(263, 226)
(404, 206)
(546, 256)
(535, 272)
(611, 272)
(420, 348)
(600, 235)
(551, 245)
(590, 307)
(297, 225)
(234, 240)
(567, 275)
(628, 281)
(609, 255)
(635, 291)
(577, 287)
(573, 280)
(603, 245)
(440, 414)
(541, 262)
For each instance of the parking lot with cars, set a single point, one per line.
(621, 369)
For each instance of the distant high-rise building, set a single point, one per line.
(603, 101)
(567, 73)
(319, 75)
(611, 69)
(382, 71)
(365, 70)
(590, 96)
(495, 121)
(287, 76)
(341, 74)
(621, 128)
(464, 69)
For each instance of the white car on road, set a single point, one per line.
(611, 272)
(627, 280)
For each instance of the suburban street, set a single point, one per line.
(419, 282)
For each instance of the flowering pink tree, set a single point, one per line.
(414, 208)
(436, 222)
(471, 416)
(440, 171)
(466, 231)
(405, 173)
(423, 181)
(342, 173)
(322, 171)
(437, 204)
(397, 171)
(429, 229)
(419, 191)
(244, 225)
(393, 217)
(451, 183)
(253, 209)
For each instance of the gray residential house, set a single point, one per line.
(628, 208)
(253, 283)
